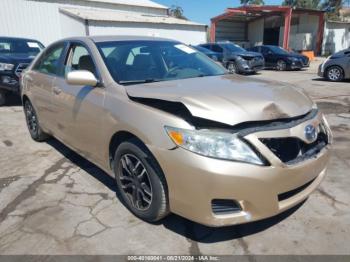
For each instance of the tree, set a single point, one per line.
(310, 4)
(252, 2)
(332, 8)
(177, 11)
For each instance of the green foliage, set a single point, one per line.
(310, 4)
(332, 8)
(177, 12)
(252, 2)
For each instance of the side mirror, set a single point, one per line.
(81, 78)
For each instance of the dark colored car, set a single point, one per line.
(216, 56)
(336, 67)
(236, 59)
(281, 59)
(15, 56)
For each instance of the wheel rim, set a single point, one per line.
(334, 74)
(231, 68)
(280, 65)
(31, 118)
(135, 182)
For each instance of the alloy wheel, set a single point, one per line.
(135, 182)
(281, 65)
(334, 74)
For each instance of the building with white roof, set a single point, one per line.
(50, 20)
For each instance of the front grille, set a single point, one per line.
(291, 150)
(20, 68)
(225, 206)
(294, 192)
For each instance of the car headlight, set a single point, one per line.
(6, 67)
(293, 59)
(241, 60)
(220, 145)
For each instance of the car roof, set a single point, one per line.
(112, 38)
(18, 38)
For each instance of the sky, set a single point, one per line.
(202, 10)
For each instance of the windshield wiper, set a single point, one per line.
(143, 81)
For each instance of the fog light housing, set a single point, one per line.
(225, 206)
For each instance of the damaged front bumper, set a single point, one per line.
(196, 182)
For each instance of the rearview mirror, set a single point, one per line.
(81, 78)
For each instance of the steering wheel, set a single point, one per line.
(172, 70)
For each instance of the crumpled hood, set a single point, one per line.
(228, 99)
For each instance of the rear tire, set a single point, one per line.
(140, 181)
(33, 125)
(335, 74)
(2, 98)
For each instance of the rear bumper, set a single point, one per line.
(320, 71)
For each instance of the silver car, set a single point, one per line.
(336, 67)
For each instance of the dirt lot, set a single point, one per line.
(54, 202)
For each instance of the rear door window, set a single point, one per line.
(49, 63)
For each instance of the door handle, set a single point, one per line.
(57, 90)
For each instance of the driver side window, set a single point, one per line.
(79, 58)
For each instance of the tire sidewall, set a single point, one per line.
(39, 135)
(156, 210)
(283, 68)
(34, 135)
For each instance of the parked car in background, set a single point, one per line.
(15, 56)
(336, 67)
(216, 56)
(236, 59)
(176, 131)
(281, 59)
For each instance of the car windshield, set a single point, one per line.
(232, 47)
(278, 50)
(133, 62)
(10, 46)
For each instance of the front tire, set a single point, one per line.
(140, 181)
(335, 74)
(33, 125)
(281, 65)
(232, 68)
